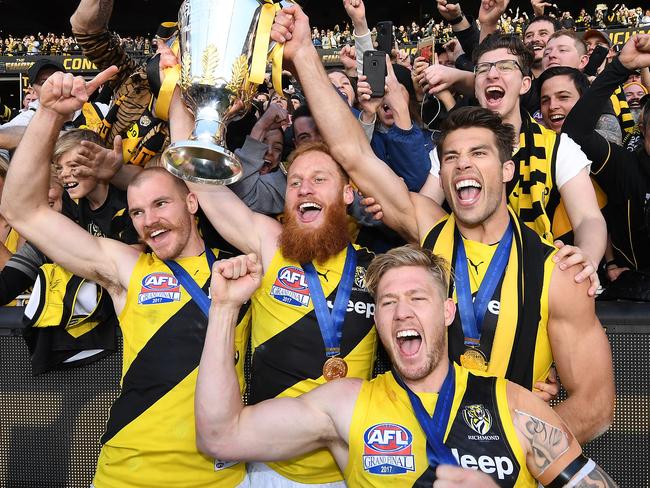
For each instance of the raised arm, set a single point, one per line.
(339, 129)
(248, 231)
(583, 357)
(273, 430)
(24, 199)
(91, 16)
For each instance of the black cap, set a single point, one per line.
(40, 64)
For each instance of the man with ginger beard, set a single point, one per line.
(311, 270)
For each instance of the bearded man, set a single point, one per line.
(312, 317)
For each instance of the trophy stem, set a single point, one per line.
(208, 127)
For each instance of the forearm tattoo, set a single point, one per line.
(547, 442)
(596, 478)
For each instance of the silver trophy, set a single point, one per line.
(216, 39)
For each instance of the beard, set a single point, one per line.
(433, 357)
(305, 245)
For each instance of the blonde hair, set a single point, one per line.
(409, 255)
(71, 139)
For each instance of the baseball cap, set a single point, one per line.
(41, 64)
(596, 33)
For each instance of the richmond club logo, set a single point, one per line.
(387, 449)
(290, 287)
(477, 418)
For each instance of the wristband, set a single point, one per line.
(569, 472)
(610, 262)
(457, 20)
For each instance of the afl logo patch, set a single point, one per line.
(159, 288)
(387, 449)
(290, 287)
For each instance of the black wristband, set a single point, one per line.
(610, 262)
(457, 20)
(569, 472)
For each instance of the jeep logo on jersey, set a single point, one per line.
(159, 288)
(477, 418)
(387, 450)
(501, 465)
(290, 287)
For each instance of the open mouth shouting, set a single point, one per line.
(409, 342)
(556, 120)
(468, 191)
(70, 185)
(493, 96)
(157, 235)
(309, 212)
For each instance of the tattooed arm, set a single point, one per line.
(91, 16)
(553, 455)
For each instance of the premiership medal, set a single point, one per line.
(334, 368)
(474, 359)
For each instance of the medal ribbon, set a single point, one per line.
(189, 284)
(261, 48)
(331, 325)
(473, 312)
(434, 427)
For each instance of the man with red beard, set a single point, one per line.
(533, 311)
(312, 317)
(160, 298)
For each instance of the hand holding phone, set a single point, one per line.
(374, 68)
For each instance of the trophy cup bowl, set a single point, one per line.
(216, 39)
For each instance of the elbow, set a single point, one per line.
(208, 443)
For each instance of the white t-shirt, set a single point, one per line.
(570, 161)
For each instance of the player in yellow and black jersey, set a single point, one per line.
(475, 151)
(403, 426)
(160, 298)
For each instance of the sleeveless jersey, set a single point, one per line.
(150, 439)
(387, 446)
(288, 348)
(514, 336)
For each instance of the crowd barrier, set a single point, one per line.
(50, 424)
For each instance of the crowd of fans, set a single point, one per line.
(580, 180)
(52, 44)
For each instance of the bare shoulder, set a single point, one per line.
(567, 297)
(427, 213)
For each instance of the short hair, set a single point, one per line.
(146, 173)
(468, 117)
(579, 79)
(315, 146)
(71, 139)
(409, 255)
(514, 45)
(301, 111)
(581, 45)
(545, 18)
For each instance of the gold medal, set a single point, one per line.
(473, 359)
(334, 368)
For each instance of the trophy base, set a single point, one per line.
(202, 162)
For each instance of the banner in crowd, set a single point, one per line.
(80, 65)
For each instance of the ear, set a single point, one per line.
(525, 85)
(584, 59)
(450, 311)
(192, 203)
(348, 194)
(508, 169)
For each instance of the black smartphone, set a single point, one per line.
(597, 57)
(385, 40)
(374, 68)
